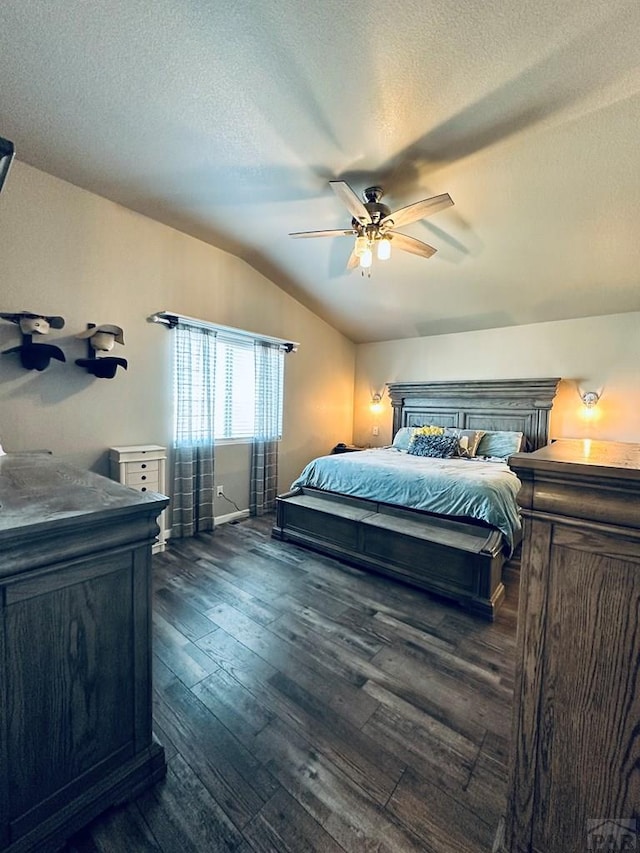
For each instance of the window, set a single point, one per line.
(229, 385)
(235, 383)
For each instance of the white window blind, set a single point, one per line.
(235, 382)
(227, 387)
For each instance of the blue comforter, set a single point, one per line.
(460, 487)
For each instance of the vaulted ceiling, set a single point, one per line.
(228, 121)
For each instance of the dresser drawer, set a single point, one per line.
(143, 487)
(141, 467)
(132, 478)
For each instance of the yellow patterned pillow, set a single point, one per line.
(429, 429)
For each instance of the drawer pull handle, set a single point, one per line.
(143, 489)
(144, 465)
(144, 477)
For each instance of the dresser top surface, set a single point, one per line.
(40, 490)
(591, 456)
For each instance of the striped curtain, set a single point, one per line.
(269, 374)
(193, 449)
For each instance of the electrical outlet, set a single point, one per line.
(375, 430)
(220, 491)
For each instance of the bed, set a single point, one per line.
(455, 555)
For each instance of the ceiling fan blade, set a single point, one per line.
(351, 201)
(417, 210)
(410, 244)
(341, 232)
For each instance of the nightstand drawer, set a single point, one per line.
(143, 487)
(149, 478)
(142, 467)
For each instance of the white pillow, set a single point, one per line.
(402, 438)
(468, 440)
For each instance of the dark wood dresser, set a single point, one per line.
(575, 765)
(75, 677)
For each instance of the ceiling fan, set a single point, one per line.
(374, 225)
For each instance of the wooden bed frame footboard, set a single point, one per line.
(461, 559)
(454, 558)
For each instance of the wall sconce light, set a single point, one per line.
(589, 402)
(375, 406)
(590, 399)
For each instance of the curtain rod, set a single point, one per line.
(171, 319)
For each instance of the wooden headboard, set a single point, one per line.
(521, 405)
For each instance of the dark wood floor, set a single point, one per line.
(308, 706)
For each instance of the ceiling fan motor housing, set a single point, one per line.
(372, 194)
(375, 208)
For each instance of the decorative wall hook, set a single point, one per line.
(102, 339)
(34, 356)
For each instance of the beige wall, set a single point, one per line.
(596, 353)
(65, 251)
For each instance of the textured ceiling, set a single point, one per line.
(228, 120)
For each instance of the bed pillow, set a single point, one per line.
(402, 438)
(429, 429)
(440, 446)
(499, 443)
(468, 440)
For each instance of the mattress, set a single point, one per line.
(470, 488)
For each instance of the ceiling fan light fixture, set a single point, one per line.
(383, 249)
(366, 259)
(361, 246)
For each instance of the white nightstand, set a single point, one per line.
(142, 467)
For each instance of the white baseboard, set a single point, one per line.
(230, 516)
(237, 515)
